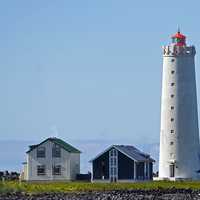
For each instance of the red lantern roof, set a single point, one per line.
(179, 39)
(179, 35)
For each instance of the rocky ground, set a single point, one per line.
(165, 194)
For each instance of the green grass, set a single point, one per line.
(14, 186)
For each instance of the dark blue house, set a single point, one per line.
(122, 163)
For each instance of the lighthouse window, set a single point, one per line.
(172, 107)
(172, 72)
(172, 60)
(172, 131)
(172, 95)
(172, 119)
(171, 143)
(172, 84)
(172, 155)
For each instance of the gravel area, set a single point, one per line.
(165, 194)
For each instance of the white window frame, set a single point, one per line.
(41, 167)
(53, 170)
(113, 165)
(41, 152)
(56, 151)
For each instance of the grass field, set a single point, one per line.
(14, 186)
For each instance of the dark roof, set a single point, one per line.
(131, 152)
(59, 142)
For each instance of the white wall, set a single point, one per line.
(67, 161)
(74, 165)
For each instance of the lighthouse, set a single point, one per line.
(179, 133)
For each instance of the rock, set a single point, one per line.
(156, 194)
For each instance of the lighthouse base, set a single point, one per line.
(174, 179)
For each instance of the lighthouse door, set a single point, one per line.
(171, 170)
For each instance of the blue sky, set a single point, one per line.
(87, 69)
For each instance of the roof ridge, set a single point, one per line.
(68, 147)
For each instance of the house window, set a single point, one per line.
(172, 84)
(111, 161)
(172, 107)
(56, 151)
(172, 59)
(41, 170)
(114, 152)
(41, 152)
(172, 72)
(115, 162)
(172, 131)
(56, 170)
(171, 143)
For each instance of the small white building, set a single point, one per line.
(51, 160)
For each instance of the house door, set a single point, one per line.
(172, 170)
(113, 165)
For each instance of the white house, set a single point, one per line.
(51, 160)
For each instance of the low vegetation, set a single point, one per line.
(57, 187)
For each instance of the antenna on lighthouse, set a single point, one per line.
(178, 29)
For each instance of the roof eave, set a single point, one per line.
(50, 139)
(76, 150)
(113, 146)
(127, 155)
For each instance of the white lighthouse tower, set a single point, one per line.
(179, 135)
